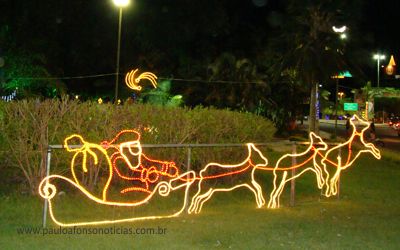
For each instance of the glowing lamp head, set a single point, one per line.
(339, 29)
(121, 3)
(379, 56)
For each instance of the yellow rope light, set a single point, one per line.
(146, 172)
(245, 167)
(133, 82)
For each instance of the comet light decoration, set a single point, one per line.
(133, 82)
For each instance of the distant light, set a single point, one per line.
(390, 70)
(260, 3)
(320, 85)
(343, 36)
(379, 56)
(77, 97)
(121, 3)
(339, 30)
(343, 74)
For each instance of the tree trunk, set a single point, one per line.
(312, 119)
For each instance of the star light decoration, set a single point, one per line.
(133, 82)
(151, 177)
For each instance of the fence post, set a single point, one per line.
(292, 181)
(47, 174)
(188, 167)
(338, 181)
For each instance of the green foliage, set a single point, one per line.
(21, 66)
(245, 95)
(28, 126)
(161, 96)
(307, 44)
(286, 99)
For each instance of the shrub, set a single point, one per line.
(28, 126)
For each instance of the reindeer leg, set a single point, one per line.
(320, 177)
(194, 202)
(275, 197)
(281, 187)
(334, 182)
(272, 198)
(259, 197)
(201, 199)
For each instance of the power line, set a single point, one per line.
(205, 81)
(62, 78)
(161, 78)
(113, 74)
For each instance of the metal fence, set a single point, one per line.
(189, 148)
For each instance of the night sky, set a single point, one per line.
(168, 37)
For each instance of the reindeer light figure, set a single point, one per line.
(126, 161)
(247, 167)
(331, 161)
(281, 170)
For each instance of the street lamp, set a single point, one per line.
(120, 4)
(378, 57)
(340, 29)
(343, 36)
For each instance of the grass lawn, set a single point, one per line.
(367, 216)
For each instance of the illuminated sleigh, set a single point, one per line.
(150, 180)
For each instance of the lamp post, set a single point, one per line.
(378, 57)
(120, 4)
(341, 31)
(343, 36)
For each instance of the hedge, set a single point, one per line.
(28, 126)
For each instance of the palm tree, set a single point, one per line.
(238, 84)
(310, 47)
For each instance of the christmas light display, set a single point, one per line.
(281, 171)
(391, 67)
(325, 161)
(147, 176)
(332, 161)
(133, 82)
(126, 163)
(216, 170)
